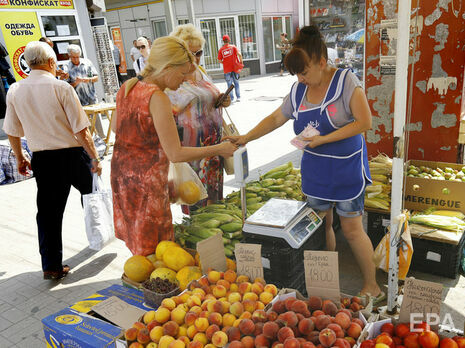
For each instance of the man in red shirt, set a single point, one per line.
(229, 55)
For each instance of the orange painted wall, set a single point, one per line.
(440, 58)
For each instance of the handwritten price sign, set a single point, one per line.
(420, 298)
(249, 260)
(322, 274)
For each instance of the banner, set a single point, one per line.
(118, 42)
(19, 28)
(37, 4)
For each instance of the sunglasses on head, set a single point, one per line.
(141, 47)
(198, 53)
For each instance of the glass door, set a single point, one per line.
(227, 28)
(159, 28)
(210, 51)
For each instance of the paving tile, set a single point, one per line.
(15, 315)
(5, 342)
(20, 330)
(4, 324)
(4, 307)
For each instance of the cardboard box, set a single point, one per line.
(421, 194)
(80, 326)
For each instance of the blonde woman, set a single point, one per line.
(197, 117)
(146, 140)
(143, 45)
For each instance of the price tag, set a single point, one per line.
(249, 260)
(211, 253)
(420, 298)
(118, 312)
(322, 274)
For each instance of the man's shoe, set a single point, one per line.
(57, 275)
(238, 100)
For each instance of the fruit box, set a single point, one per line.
(421, 193)
(78, 325)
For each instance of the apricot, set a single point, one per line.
(201, 337)
(244, 287)
(242, 279)
(246, 315)
(215, 306)
(151, 345)
(248, 341)
(136, 345)
(182, 331)
(234, 334)
(327, 337)
(165, 341)
(213, 276)
(315, 303)
(230, 276)
(156, 333)
(271, 288)
(261, 341)
(259, 316)
(306, 326)
(178, 315)
(211, 330)
(354, 330)
(270, 330)
(191, 331)
(201, 324)
(234, 297)
(342, 319)
(219, 291)
(162, 315)
(246, 326)
(170, 328)
(220, 339)
(193, 300)
(190, 317)
(228, 319)
(259, 305)
(322, 321)
(185, 340)
(131, 334)
(177, 344)
(250, 296)
(329, 308)
(249, 305)
(285, 333)
(215, 318)
(266, 297)
(257, 288)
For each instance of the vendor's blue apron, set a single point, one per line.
(335, 171)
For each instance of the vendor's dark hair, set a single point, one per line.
(308, 42)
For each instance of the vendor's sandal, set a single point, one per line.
(57, 275)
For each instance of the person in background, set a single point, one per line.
(334, 165)
(333, 57)
(144, 49)
(117, 58)
(146, 142)
(82, 76)
(228, 55)
(48, 113)
(284, 48)
(135, 54)
(46, 40)
(198, 118)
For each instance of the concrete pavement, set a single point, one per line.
(25, 298)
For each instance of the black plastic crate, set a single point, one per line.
(377, 226)
(281, 261)
(297, 281)
(437, 257)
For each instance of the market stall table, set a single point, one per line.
(106, 109)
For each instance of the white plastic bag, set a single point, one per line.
(184, 184)
(98, 215)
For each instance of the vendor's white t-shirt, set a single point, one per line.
(343, 113)
(135, 53)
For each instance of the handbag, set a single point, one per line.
(229, 129)
(237, 66)
(98, 215)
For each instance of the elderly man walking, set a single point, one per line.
(48, 113)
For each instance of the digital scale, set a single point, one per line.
(293, 221)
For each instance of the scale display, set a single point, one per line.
(292, 221)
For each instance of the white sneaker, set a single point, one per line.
(238, 100)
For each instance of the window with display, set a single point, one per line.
(272, 29)
(248, 36)
(342, 24)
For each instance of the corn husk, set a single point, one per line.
(448, 223)
(378, 195)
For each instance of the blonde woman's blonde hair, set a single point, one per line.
(167, 51)
(190, 34)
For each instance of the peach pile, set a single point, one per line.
(225, 309)
(401, 336)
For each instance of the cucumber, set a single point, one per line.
(231, 227)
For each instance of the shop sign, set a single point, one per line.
(19, 28)
(37, 4)
(118, 42)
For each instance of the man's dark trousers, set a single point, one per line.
(55, 171)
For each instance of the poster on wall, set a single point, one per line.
(18, 29)
(118, 42)
(37, 4)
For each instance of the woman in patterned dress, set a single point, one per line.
(146, 141)
(201, 122)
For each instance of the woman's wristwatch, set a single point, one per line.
(95, 160)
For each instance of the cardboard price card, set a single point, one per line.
(118, 312)
(421, 298)
(249, 260)
(211, 253)
(322, 274)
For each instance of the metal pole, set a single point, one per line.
(243, 203)
(402, 56)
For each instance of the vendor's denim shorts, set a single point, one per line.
(350, 208)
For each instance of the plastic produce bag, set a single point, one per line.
(98, 215)
(381, 255)
(184, 184)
